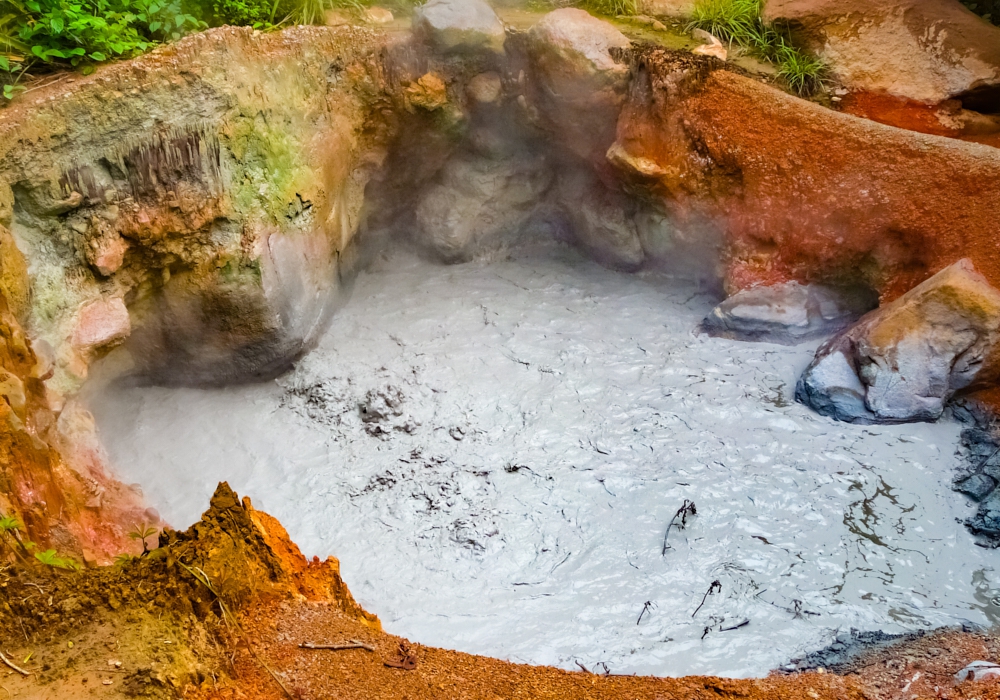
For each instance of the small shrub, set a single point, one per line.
(142, 533)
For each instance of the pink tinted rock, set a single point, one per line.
(101, 324)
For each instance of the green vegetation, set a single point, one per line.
(50, 558)
(44, 36)
(39, 36)
(739, 22)
(142, 533)
(11, 540)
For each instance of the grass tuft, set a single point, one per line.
(739, 22)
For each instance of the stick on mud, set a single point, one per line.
(337, 647)
(688, 508)
(10, 663)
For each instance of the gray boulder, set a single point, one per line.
(787, 313)
(977, 486)
(909, 358)
(479, 204)
(460, 25)
(601, 219)
(987, 519)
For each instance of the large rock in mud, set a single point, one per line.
(578, 82)
(479, 204)
(905, 361)
(214, 185)
(460, 25)
(787, 313)
(926, 50)
(800, 192)
(602, 220)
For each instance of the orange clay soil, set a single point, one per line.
(941, 120)
(218, 613)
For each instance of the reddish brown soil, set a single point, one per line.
(798, 191)
(152, 628)
(913, 116)
(277, 629)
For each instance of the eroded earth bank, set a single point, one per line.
(195, 218)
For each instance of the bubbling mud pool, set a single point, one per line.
(494, 451)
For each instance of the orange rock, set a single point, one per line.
(801, 192)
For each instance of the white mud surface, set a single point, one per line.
(541, 422)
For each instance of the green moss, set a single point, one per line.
(269, 168)
(241, 272)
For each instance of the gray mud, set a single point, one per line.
(494, 452)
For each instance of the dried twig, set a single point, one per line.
(582, 667)
(338, 647)
(10, 663)
(683, 512)
(716, 587)
(648, 605)
(734, 627)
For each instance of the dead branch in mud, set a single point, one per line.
(338, 647)
(10, 664)
(648, 605)
(716, 587)
(688, 508)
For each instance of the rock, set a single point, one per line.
(429, 93)
(460, 25)
(978, 671)
(807, 193)
(100, 325)
(378, 15)
(925, 50)
(336, 18)
(107, 253)
(659, 26)
(986, 521)
(668, 8)
(830, 385)
(787, 313)
(578, 44)
(239, 264)
(485, 88)
(712, 46)
(911, 356)
(479, 204)
(578, 86)
(601, 220)
(977, 486)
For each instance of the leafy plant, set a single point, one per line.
(40, 35)
(142, 533)
(739, 22)
(11, 538)
(50, 558)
